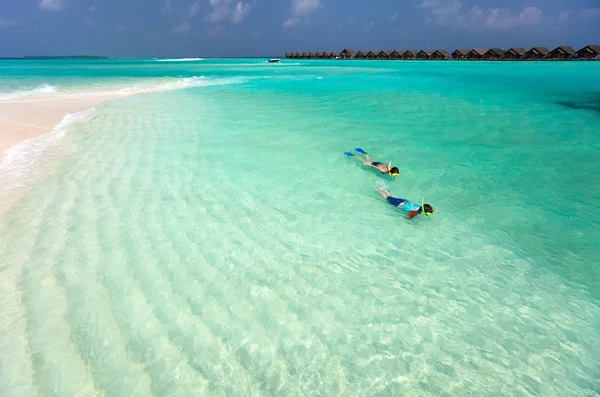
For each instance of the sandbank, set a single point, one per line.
(22, 119)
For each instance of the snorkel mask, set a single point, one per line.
(423, 208)
(390, 170)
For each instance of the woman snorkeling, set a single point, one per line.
(385, 169)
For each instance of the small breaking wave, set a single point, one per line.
(167, 85)
(20, 159)
(44, 89)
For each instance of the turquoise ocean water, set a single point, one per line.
(208, 237)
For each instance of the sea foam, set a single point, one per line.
(20, 159)
(44, 89)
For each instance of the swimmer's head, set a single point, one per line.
(394, 171)
(428, 209)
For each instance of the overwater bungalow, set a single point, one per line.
(410, 54)
(336, 55)
(514, 53)
(536, 53)
(493, 54)
(591, 51)
(397, 54)
(317, 55)
(562, 52)
(384, 54)
(372, 54)
(476, 53)
(424, 54)
(440, 54)
(460, 54)
(348, 53)
(361, 54)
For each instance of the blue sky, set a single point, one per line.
(187, 28)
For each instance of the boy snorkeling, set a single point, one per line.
(412, 208)
(385, 169)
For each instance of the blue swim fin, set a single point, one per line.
(359, 150)
(348, 154)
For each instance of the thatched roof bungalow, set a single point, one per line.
(562, 52)
(397, 54)
(493, 53)
(514, 53)
(536, 53)
(317, 55)
(361, 54)
(424, 54)
(335, 54)
(384, 54)
(440, 54)
(410, 54)
(460, 54)
(348, 53)
(588, 52)
(476, 53)
(372, 54)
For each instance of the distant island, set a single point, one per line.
(63, 57)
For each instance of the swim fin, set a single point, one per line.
(359, 150)
(348, 154)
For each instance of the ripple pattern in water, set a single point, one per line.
(214, 241)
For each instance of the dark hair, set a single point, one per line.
(394, 170)
(428, 209)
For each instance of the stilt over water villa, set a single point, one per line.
(514, 53)
(589, 52)
(476, 53)
(424, 54)
(536, 53)
(562, 52)
(493, 54)
(440, 54)
(410, 54)
(460, 54)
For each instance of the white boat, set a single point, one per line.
(274, 60)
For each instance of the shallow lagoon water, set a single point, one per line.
(212, 239)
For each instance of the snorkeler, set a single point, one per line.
(412, 208)
(385, 169)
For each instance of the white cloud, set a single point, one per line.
(51, 5)
(224, 10)
(291, 22)
(369, 26)
(303, 7)
(300, 11)
(394, 17)
(194, 8)
(591, 13)
(183, 27)
(240, 12)
(502, 18)
(451, 13)
(564, 16)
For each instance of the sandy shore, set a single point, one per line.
(23, 119)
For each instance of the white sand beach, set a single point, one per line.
(22, 119)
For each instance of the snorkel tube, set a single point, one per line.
(390, 170)
(423, 208)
